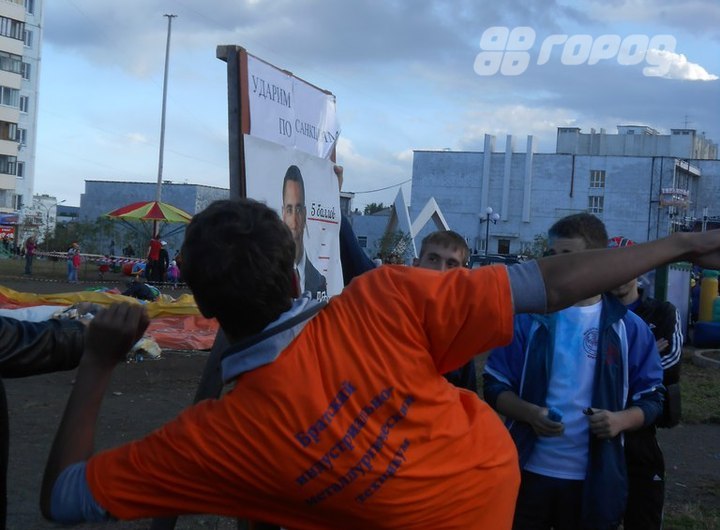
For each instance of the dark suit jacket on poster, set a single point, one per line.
(314, 281)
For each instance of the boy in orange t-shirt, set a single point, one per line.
(339, 417)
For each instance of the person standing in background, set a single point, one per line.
(29, 254)
(73, 262)
(645, 459)
(164, 263)
(153, 257)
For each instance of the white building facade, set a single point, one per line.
(29, 92)
(642, 189)
(20, 38)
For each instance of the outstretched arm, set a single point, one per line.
(352, 256)
(578, 275)
(109, 337)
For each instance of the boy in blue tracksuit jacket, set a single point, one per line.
(594, 364)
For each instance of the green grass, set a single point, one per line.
(691, 516)
(43, 268)
(56, 272)
(700, 390)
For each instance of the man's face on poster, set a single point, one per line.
(294, 214)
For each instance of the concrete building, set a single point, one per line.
(369, 229)
(40, 218)
(636, 140)
(27, 124)
(641, 189)
(101, 197)
(20, 38)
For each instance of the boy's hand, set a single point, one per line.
(113, 332)
(704, 247)
(544, 426)
(339, 174)
(605, 424)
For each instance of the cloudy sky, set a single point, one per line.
(407, 75)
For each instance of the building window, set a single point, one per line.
(597, 178)
(9, 96)
(25, 70)
(362, 241)
(30, 6)
(8, 131)
(596, 204)
(22, 136)
(28, 38)
(18, 202)
(24, 103)
(20, 171)
(10, 62)
(9, 27)
(503, 246)
(8, 164)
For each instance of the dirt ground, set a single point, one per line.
(144, 395)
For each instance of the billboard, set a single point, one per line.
(283, 133)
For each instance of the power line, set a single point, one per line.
(383, 189)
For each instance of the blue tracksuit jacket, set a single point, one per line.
(627, 373)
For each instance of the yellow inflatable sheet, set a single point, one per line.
(174, 323)
(163, 306)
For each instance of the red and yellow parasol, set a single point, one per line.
(151, 211)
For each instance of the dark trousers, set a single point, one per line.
(546, 503)
(646, 481)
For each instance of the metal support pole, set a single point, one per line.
(487, 233)
(158, 192)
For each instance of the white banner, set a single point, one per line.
(303, 189)
(290, 112)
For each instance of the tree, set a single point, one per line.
(394, 247)
(373, 207)
(94, 236)
(537, 248)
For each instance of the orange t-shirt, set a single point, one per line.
(352, 426)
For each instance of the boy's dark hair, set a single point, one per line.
(446, 238)
(585, 225)
(238, 258)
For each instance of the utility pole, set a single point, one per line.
(158, 193)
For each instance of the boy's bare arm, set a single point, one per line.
(579, 275)
(109, 337)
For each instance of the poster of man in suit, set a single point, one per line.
(287, 158)
(303, 189)
(294, 212)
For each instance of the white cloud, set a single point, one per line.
(405, 155)
(136, 138)
(362, 174)
(518, 120)
(674, 66)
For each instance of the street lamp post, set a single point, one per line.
(490, 217)
(158, 189)
(47, 220)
